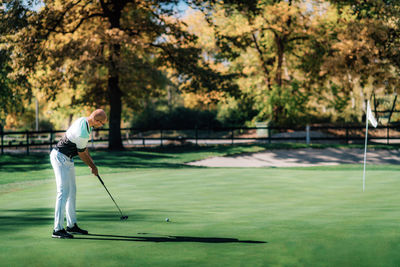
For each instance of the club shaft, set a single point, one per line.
(98, 176)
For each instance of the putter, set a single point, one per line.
(122, 216)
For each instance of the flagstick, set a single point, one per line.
(365, 150)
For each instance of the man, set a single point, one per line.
(73, 143)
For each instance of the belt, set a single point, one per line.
(58, 149)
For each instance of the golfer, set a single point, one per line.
(73, 143)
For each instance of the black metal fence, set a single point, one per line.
(28, 141)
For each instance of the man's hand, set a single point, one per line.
(95, 171)
(85, 157)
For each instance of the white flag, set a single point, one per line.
(370, 116)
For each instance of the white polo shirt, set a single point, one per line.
(79, 133)
(76, 138)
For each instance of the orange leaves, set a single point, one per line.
(202, 100)
(356, 50)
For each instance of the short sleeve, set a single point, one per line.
(79, 134)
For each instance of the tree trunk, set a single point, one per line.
(114, 138)
(278, 110)
(280, 51)
(114, 91)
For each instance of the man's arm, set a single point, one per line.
(85, 157)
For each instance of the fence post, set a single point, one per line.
(347, 135)
(308, 134)
(387, 134)
(196, 134)
(161, 137)
(232, 135)
(27, 142)
(269, 135)
(2, 139)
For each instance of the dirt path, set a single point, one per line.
(302, 158)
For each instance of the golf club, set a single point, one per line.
(122, 216)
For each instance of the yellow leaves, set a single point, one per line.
(357, 62)
(284, 18)
(322, 72)
(356, 48)
(11, 122)
(202, 100)
(250, 69)
(234, 24)
(198, 25)
(115, 34)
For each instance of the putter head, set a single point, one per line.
(124, 218)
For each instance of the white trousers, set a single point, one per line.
(64, 171)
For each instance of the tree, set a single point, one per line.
(363, 56)
(264, 41)
(104, 49)
(12, 18)
(297, 58)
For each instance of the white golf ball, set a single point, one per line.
(166, 219)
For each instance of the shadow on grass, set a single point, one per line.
(167, 157)
(24, 163)
(158, 157)
(16, 219)
(162, 238)
(127, 159)
(19, 219)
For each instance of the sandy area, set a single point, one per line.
(302, 158)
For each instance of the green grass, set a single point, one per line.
(315, 216)
(21, 168)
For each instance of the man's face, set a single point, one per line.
(99, 122)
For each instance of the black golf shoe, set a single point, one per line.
(76, 230)
(61, 234)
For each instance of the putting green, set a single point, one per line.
(218, 216)
(305, 217)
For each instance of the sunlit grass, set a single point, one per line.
(306, 217)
